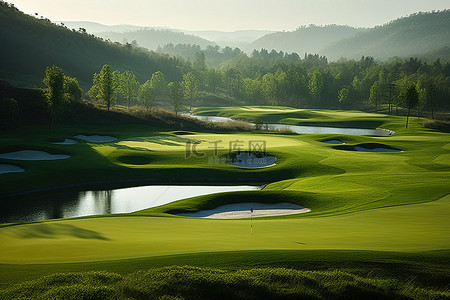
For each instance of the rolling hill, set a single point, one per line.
(152, 38)
(409, 36)
(29, 45)
(166, 35)
(309, 39)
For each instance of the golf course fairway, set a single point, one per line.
(384, 215)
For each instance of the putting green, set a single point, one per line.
(410, 228)
(393, 202)
(208, 142)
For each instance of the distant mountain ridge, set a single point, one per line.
(409, 36)
(420, 34)
(310, 39)
(29, 45)
(152, 38)
(166, 35)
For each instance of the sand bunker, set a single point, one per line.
(66, 142)
(96, 138)
(32, 155)
(336, 142)
(6, 168)
(251, 160)
(242, 211)
(380, 149)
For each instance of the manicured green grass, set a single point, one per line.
(293, 116)
(381, 205)
(409, 228)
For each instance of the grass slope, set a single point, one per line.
(192, 282)
(387, 211)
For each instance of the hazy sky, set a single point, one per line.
(229, 15)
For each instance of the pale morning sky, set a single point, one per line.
(229, 15)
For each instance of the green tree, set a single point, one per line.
(233, 82)
(282, 85)
(190, 85)
(409, 98)
(269, 85)
(106, 87)
(390, 94)
(252, 91)
(176, 94)
(9, 112)
(159, 83)
(214, 79)
(430, 92)
(128, 86)
(94, 90)
(55, 93)
(316, 85)
(343, 95)
(199, 68)
(72, 88)
(376, 94)
(147, 95)
(199, 64)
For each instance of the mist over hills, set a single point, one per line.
(425, 35)
(29, 45)
(410, 36)
(309, 39)
(154, 37)
(93, 27)
(224, 38)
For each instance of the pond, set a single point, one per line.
(305, 129)
(71, 204)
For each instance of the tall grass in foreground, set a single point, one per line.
(205, 283)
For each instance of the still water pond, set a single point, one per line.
(77, 204)
(305, 129)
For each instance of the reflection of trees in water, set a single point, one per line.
(61, 205)
(103, 201)
(55, 205)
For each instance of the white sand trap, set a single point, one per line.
(337, 142)
(96, 138)
(358, 148)
(32, 155)
(249, 160)
(66, 142)
(242, 211)
(6, 168)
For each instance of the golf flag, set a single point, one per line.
(251, 219)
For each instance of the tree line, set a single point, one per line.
(276, 78)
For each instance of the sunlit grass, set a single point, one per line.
(382, 202)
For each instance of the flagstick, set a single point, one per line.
(251, 224)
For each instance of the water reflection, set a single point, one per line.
(76, 204)
(305, 129)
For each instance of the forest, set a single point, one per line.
(142, 77)
(277, 78)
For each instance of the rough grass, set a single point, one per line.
(440, 125)
(205, 283)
